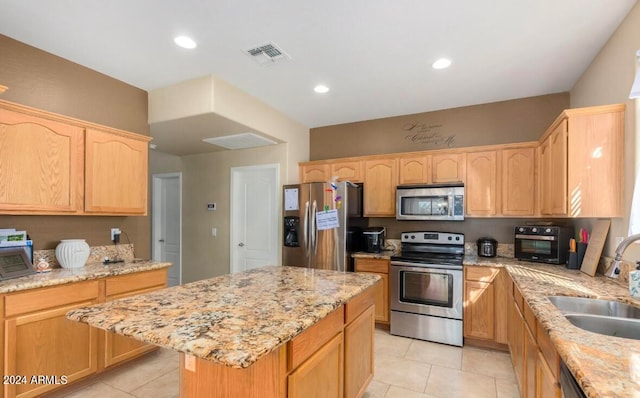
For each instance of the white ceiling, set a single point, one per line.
(375, 55)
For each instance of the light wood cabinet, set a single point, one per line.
(359, 354)
(118, 348)
(414, 170)
(314, 172)
(481, 188)
(485, 312)
(53, 164)
(321, 375)
(41, 341)
(115, 174)
(447, 167)
(380, 176)
(518, 181)
(41, 170)
(581, 163)
(516, 340)
(379, 267)
(347, 171)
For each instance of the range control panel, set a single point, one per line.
(443, 238)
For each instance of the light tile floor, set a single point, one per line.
(405, 368)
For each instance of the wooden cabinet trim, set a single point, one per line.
(359, 304)
(372, 265)
(359, 336)
(482, 274)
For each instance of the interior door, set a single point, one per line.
(255, 216)
(167, 223)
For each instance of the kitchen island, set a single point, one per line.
(269, 332)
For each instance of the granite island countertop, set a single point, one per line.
(61, 276)
(232, 319)
(604, 366)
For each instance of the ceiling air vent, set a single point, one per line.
(267, 54)
(240, 141)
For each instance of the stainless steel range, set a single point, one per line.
(426, 287)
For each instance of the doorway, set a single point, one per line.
(166, 223)
(255, 210)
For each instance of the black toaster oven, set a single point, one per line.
(542, 243)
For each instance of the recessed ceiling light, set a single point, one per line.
(321, 88)
(185, 42)
(441, 63)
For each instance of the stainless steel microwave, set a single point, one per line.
(430, 202)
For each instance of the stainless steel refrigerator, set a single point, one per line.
(322, 225)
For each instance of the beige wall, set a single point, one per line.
(42, 80)
(495, 123)
(518, 120)
(207, 178)
(608, 80)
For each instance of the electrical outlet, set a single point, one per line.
(114, 232)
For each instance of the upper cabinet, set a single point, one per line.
(116, 174)
(41, 168)
(518, 181)
(380, 176)
(414, 170)
(447, 167)
(581, 163)
(575, 170)
(481, 192)
(56, 165)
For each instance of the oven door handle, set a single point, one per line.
(535, 237)
(426, 267)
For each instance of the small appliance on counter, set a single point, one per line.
(374, 239)
(542, 243)
(487, 247)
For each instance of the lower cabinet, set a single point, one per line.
(358, 354)
(485, 310)
(535, 360)
(44, 351)
(379, 267)
(119, 348)
(321, 375)
(41, 342)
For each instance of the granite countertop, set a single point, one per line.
(385, 254)
(603, 366)
(231, 319)
(61, 276)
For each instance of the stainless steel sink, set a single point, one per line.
(582, 305)
(618, 327)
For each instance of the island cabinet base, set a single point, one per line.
(331, 359)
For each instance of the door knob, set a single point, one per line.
(241, 244)
(161, 240)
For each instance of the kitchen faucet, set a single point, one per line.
(614, 270)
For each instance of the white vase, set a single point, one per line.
(72, 253)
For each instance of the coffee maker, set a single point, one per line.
(373, 239)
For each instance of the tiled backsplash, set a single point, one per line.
(97, 254)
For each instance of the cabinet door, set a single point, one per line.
(46, 343)
(415, 170)
(380, 180)
(41, 170)
(116, 174)
(320, 376)
(358, 354)
(595, 174)
(546, 385)
(518, 182)
(558, 169)
(544, 178)
(516, 340)
(447, 168)
(530, 359)
(481, 183)
(347, 171)
(120, 348)
(479, 309)
(314, 173)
